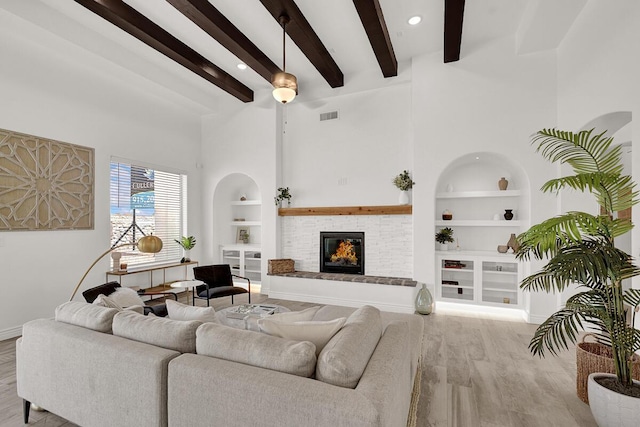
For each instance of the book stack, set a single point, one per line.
(453, 264)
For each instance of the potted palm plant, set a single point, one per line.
(580, 249)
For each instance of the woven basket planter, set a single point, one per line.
(280, 266)
(592, 357)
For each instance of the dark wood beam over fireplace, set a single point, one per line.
(453, 17)
(306, 39)
(376, 28)
(133, 22)
(206, 16)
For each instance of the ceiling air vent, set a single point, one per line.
(331, 115)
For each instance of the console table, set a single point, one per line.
(164, 286)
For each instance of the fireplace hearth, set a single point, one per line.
(342, 252)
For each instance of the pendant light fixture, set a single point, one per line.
(285, 85)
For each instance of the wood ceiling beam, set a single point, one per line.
(376, 28)
(453, 17)
(133, 22)
(302, 34)
(206, 16)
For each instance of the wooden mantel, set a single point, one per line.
(347, 210)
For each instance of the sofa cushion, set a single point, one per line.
(256, 349)
(345, 357)
(159, 331)
(126, 297)
(86, 315)
(317, 332)
(179, 311)
(105, 301)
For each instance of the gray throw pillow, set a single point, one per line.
(86, 315)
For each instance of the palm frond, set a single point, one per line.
(553, 333)
(632, 297)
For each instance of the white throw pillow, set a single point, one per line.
(126, 297)
(295, 316)
(317, 332)
(179, 311)
(105, 301)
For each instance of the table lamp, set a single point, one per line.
(147, 244)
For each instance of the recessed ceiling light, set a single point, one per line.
(242, 66)
(414, 20)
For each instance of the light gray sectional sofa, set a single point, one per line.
(98, 366)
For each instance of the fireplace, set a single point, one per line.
(342, 252)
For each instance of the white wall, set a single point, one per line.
(490, 101)
(598, 74)
(56, 90)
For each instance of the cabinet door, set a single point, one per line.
(232, 257)
(500, 282)
(253, 265)
(457, 279)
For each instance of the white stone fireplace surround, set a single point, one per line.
(388, 241)
(388, 252)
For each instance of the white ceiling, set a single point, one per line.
(335, 21)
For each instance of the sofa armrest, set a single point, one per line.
(387, 381)
(205, 391)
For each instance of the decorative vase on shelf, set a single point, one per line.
(447, 215)
(508, 214)
(503, 184)
(115, 256)
(443, 246)
(403, 199)
(513, 243)
(187, 257)
(424, 300)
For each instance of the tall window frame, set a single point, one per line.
(156, 205)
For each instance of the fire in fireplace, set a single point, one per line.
(342, 252)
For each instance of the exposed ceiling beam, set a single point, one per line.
(133, 22)
(214, 23)
(453, 16)
(376, 28)
(307, 40)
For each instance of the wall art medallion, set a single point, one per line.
(45, 184)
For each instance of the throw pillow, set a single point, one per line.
(296, 316)
(345, 357)
(256, 349)
(126, 297)
(86, 315)
(105, 301)
(179, 311)
(319, 333)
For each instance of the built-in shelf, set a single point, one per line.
(478, 194)
(246, 203)
(478, 223)
(453, 254)
(347, 210)
(246, 223)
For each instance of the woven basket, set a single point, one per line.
(280, 266)
(594, 357)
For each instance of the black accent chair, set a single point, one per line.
(108, 288)
(218, 282)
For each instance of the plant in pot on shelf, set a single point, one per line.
(283, 194)
(444, 236)
(580, 249)
(187, 244)
(404, 183)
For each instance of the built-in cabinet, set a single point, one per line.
(245, 260)
(472, 271)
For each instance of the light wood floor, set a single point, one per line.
(476, 372)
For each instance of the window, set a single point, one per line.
(146, 200)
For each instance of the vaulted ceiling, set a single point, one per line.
(193, 47)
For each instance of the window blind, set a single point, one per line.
(145, 201)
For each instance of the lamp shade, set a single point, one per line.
(150, 244)
(285, 87)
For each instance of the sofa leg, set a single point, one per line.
(26, 406)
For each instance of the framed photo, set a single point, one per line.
(242, 235)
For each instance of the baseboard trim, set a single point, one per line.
(10, 333)
(536, 319)
(398, 308)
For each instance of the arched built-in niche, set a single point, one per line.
(232, 214)
(472, 271)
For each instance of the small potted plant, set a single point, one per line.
(443, 237)
(187, 244)
(404, 183)
(283, 194)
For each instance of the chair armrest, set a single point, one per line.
(142, 292)
(244, 278)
